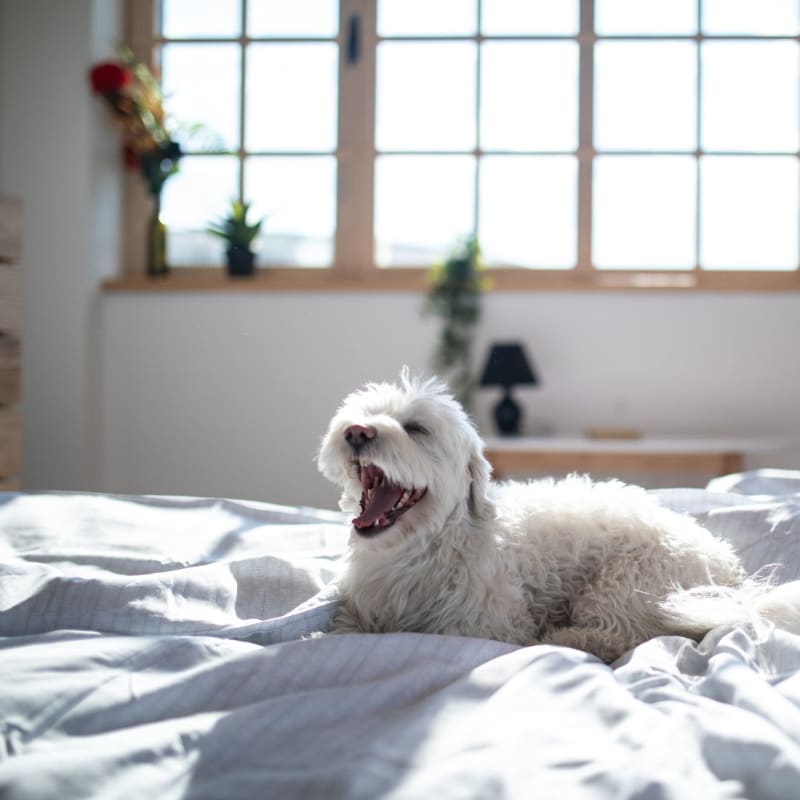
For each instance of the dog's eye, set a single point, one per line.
(412, 428)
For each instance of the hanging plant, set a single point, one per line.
(455, 296)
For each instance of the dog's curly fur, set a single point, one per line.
(437, 547)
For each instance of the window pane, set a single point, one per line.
(426, 96)
(201, 85)
(427, 17)
(422, 205)
(777, 17)
(750, 96)
(645, 96)
(645, 16)
(201, 18)
(499, 17)
(199, 194)
(749, 212)
(307, 18)
(291, 97)
(644, 212)
(298, 197)
(527, 210)
(539, 113)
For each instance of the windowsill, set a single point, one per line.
(286, 279)
(268, 279)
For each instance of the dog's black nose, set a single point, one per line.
(358, 435)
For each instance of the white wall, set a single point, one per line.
(220, 394)
(228, 394)
(55, 152)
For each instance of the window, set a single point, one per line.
(263, 114)
(609, 143)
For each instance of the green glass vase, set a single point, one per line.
(157, 266)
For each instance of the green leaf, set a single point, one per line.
(235, 228)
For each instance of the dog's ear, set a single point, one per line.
(480, 471)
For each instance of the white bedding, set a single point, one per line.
(151, 647)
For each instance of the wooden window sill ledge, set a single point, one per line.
(278, 279)
(288, 279)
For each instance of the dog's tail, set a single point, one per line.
(756, 601)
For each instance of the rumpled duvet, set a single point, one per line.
(168, 648)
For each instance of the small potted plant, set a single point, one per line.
(239, 233)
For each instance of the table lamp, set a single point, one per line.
(508, 366)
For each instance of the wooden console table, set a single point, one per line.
(10, 329)
(557, 454)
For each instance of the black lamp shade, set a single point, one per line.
(507, 366)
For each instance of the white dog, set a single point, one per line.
(436, 547)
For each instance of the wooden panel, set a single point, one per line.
(10, 228)
(9, 485)
(10, 327)
(10, 440)
(10, 299)
(9, 369)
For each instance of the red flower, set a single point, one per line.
(129, 157)
(109, 77)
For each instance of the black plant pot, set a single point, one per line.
(241, 261)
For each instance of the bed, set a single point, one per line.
(165, 647)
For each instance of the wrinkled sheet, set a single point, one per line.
(158, 647)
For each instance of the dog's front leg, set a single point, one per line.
(344, 621)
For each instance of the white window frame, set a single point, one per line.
(354, 266)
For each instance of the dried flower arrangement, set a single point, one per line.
(134, 99)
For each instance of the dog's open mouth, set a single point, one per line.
(382, 501)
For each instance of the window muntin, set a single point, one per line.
(479, 160)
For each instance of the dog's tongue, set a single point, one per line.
(383, 500)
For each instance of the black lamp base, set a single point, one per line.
(508, 415)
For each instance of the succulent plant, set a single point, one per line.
(235, 228)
